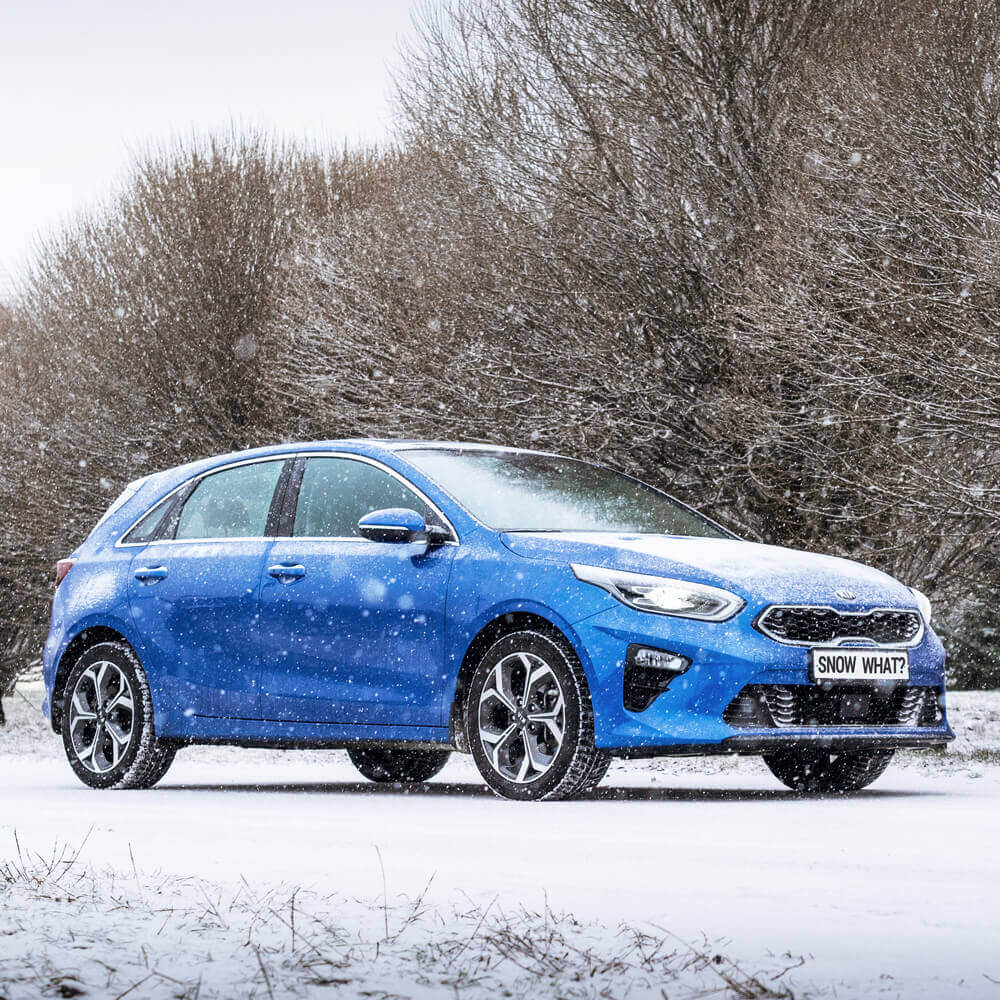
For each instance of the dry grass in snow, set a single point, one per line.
(69, 931)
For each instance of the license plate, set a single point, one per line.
(840, 664)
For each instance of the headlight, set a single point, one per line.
(662, 595)
(923, 604)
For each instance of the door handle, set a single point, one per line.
(287, 572)
(150, 574)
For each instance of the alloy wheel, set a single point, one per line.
(522, 717)
(101, 716)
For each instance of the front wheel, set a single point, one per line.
(107, 723)
(386, 764)
(529, 721)
(809, 770)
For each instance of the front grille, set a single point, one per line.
(777, 706)
(818, 625)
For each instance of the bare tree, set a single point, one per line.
(132, 343)
(615, 155)
(868, 315)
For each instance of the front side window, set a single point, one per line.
(233, 503)
(527, 491)
(337, 492)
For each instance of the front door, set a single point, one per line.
(195, 596)
(352, 631)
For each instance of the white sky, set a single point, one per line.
(85, 83)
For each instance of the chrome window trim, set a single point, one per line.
(871, 644)
(201, 541)
(282, 457)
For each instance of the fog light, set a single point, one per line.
(658, 659)
(648, 673)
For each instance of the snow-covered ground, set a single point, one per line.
(894, 892)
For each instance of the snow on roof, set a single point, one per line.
(291, 447)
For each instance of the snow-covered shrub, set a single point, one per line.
(868, 315)
(131, 344)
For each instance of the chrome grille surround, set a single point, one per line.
(822, 625)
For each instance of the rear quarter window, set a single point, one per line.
(149, 525)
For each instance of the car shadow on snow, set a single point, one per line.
(639, 794)
(437, 788)
(611, 793)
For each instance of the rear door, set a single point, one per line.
(352, 631)
(195, 593)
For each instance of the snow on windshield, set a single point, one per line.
(525, 491)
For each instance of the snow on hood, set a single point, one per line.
(758, 573)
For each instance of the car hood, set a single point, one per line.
(762, 574)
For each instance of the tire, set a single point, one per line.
(153, 777)
(819, 771)
(112, 747)
(385, 764)
(601, 764)
(529, 721)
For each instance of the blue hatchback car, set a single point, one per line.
(404, 600)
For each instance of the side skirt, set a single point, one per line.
(293, 744)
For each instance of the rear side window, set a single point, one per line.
(337, 492)
(233, 503)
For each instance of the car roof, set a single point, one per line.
(459, 446)
(349, 444)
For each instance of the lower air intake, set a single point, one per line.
(778, 706)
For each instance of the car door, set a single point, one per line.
(195, 591)
(352, 631)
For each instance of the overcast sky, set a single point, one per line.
(84, 84)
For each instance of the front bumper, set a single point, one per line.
(756, 743)
(725, 658)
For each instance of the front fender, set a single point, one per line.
(488, 581)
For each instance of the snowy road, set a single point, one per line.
(902, 881)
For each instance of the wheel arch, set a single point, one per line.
(503, 624)
(86, 639)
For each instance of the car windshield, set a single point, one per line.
(526, 491)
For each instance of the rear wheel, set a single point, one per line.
(107, 724)
(385, 764)
(809, 770)
(529, 721)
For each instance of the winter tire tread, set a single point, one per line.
(586, 764)
(144, 763)
(398, 765)
(807, 770)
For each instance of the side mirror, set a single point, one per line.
(395, 524)
(436, 535)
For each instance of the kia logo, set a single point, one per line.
(846, 595)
